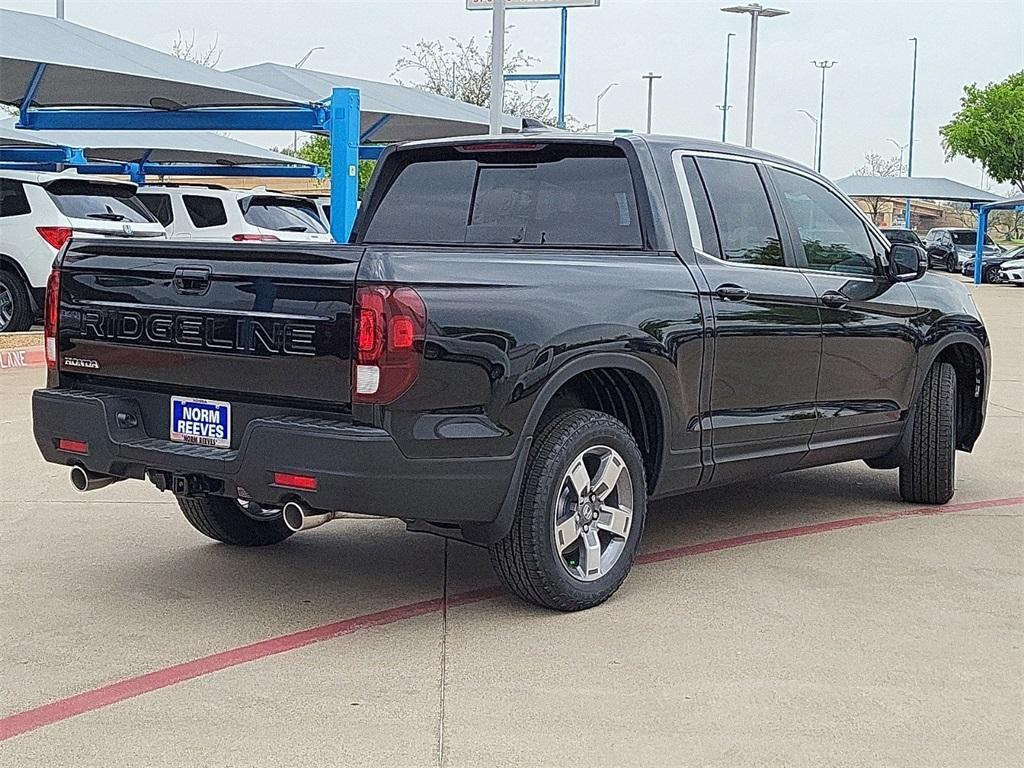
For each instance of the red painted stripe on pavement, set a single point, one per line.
(21, 357)
(54, 712)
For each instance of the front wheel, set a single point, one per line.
(580, 515)
(927, 474)
(991, 275)
(951, 263)
(15, 309)
(233, 522)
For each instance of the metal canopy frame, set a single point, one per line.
(338, 117)
(1010, 204)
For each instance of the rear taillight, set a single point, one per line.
(51, 315)
(241, 238)
(389, 328)
(55, 236)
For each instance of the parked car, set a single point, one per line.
(991, 264)
(323, 205)
(39, 212)
(1012, 271)
(211, 212)
(526, 339)
(897, 235)
(951, 247)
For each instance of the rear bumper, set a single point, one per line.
(358, 469)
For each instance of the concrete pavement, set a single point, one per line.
(895, 642)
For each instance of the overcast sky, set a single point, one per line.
(867, 100)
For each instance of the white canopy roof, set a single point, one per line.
(163, 146)
(413, 113)
(89, 68)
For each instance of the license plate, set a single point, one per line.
(201, 422)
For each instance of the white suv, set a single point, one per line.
(39, 212)
(193, 212)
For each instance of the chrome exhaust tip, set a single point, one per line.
(299, 517)
(83, 480)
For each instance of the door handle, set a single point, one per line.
(192, 280)
(834, 299)
(731, 292)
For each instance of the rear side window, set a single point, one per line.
(565, 195)
(743, 216)
(205, 211)
(159, 206)
(13, 201)
(79, 199)
(281, 214)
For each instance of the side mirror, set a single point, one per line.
(907, 262)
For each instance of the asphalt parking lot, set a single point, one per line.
(811, 619)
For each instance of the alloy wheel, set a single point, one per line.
(6, 307)
(593, 513)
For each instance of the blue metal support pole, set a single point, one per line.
(979, 247)
(378, 123)
(910, 147)
(311, 118)
(528, 77)
(344, 133)
(561, 68)
(30, 91)
(725, 96)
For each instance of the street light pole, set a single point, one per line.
(823, 65)
(298, 65)
(813, 119)
(650, 77)
(60, 9)
(901, 148)
(497, 66)
(725, 96)
(756, 11)
(597, 112)
(910, 146)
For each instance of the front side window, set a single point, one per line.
(159, 206)
(833, 237)
(743, 216)
(205, 211)
(557, 194)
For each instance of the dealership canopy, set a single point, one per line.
(390, 112)
(149, 146)
(915, 188)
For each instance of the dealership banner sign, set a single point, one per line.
(486, 5)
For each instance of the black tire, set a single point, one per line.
(991, 275)
(17, 314)
(223, 520)
(951, 263)
(928, 474)
(526, 560)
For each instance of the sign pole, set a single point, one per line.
(497, 65)
(561, 68)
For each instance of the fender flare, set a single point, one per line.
(10, 264)
(489, 533)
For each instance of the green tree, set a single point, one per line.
(989, 128)
(317, 149)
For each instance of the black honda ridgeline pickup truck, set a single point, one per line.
(526, 339)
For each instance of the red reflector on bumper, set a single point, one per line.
(72, 446)
(300, 482)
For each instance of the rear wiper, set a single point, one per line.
(294, 228)
(106, 216)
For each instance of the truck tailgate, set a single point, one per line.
(247, 321)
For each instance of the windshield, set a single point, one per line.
(969, 238)
(79, 199)
(283, 215)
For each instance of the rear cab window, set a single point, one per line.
(281, 214)
(79, 199)
(537, 195)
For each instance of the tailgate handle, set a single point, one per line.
(192, 280)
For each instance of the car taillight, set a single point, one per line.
(55, 236)
(51, 316)
(389, 328)
(242, 238)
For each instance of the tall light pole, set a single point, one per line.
(497, 66)
(910, 146)
(298, 65)
(725, 96)
(756, 11)
(650, 77)
(813, 119)
(597, 112)
(824, 65)
(901, 148)
(60, 9)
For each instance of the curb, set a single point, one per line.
(21, 357)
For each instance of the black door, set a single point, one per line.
(868, 363)
(767, 336)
